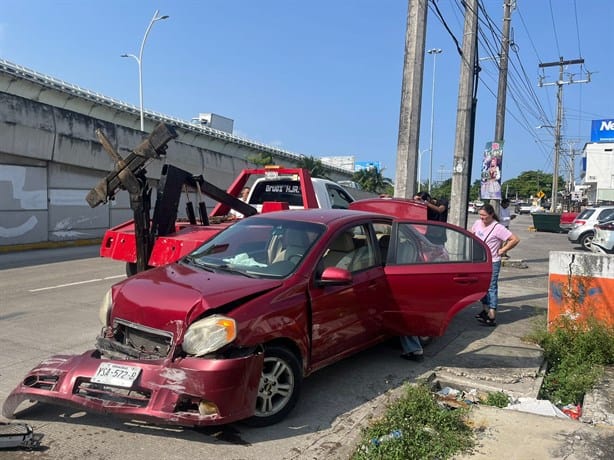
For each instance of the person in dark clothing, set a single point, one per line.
(437, 210)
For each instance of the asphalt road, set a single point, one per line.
(49, 304)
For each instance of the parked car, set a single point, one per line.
(523, 208)
(603, 241)
(230, 331)
(582, 229)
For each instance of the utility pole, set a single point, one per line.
(559, 118)
(503, 65)
(461, 168)
(411, 100)
(502, 88)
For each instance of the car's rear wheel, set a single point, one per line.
(280, 386)
(586, 240)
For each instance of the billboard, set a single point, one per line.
(602, 130)
(367, 165)
(490, 187)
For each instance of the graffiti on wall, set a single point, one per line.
(22, 189)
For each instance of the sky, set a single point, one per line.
(323, 78)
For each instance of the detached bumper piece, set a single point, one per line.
(13, 435)
(186, 391)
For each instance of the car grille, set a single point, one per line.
(130, 340)
(110, 394)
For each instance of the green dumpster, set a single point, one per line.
(547, 221)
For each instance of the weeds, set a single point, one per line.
(427, 430)
(496, 399)
(576, 354)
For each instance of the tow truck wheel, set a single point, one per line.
(131, 269)
(280, 386)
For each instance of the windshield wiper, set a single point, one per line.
(191, 260)
(229, 269)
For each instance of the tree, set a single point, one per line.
(372, 180)
(528, 184)
(315, 167)
(262, 159)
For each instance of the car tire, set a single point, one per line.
(131, 269)
(279, 389)
(586, 240)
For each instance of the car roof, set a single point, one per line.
(321, 216)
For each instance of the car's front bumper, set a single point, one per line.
(166, 391)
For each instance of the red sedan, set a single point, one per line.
(230, 331)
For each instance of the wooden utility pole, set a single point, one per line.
(411, 100)
(461, 168)
(559, 119)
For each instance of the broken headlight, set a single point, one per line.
(209, 334)
(105, 308)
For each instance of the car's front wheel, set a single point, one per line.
(280, 386)
(586, 240)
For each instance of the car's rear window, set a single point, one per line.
(288, 190)
(585, 214)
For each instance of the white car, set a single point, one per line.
(582, 229)
(603, 241)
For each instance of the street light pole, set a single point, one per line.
(434, 52)
(419, 178)
(139, 61)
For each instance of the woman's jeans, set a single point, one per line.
(491, 299)
(411, 344)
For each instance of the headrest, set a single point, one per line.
(343, 243)
(295, 238)
(384, 241)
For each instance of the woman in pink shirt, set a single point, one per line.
(499, 240)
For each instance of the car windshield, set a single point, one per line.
(258, 247)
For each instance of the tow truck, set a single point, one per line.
(146, 241)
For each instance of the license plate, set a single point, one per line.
(116, 375)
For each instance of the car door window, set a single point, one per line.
(606, 214)
(352, 249)
(433, 243)
(339, 198)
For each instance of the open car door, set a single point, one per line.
(434, 270)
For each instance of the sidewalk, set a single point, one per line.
(471, 356)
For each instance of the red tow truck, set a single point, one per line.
(146, 241)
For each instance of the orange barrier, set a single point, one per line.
(581, 287)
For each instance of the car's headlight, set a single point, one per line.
(209, 334)
(105, 308)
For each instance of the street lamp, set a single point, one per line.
(434, 52)
(420, 153)
(139, 61)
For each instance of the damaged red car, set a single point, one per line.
(229, 332)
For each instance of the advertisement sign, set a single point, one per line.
(602, 130)
(367, 165)
(491, 171)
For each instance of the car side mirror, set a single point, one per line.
(335, 276)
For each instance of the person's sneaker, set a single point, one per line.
(417, 357)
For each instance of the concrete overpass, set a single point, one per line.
(50, 157)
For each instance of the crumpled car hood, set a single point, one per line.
(162, 296)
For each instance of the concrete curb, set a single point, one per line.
(49, 245)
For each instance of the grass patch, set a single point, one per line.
(576, 355)
(423, 429)
(496, 399)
